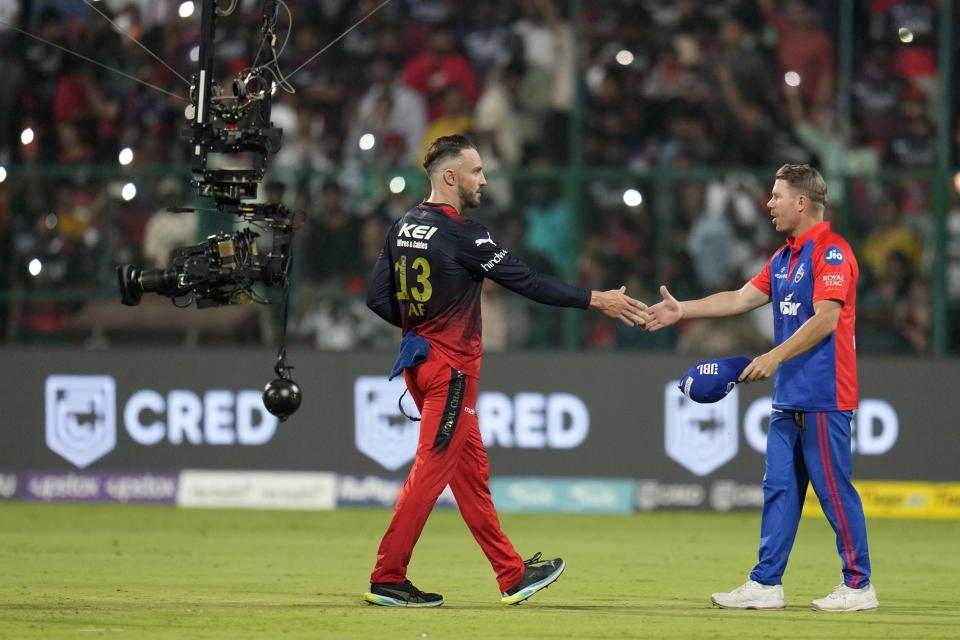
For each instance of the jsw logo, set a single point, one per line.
(788, 308)
(418, 231)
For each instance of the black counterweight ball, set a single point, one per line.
(282, 397)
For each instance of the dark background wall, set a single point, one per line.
(626, 398)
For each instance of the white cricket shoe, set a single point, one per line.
(844, 598)
(751, 595)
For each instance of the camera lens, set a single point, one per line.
(152, 280)
(134, 282)
(128, 277)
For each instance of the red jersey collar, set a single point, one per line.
(442, 206)
(796, 244)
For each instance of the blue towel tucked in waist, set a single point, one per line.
(413, 351)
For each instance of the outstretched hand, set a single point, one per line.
(664, 313)
(616, 304)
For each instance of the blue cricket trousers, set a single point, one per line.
(820, 454)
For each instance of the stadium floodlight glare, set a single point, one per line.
(129, 191)
(905, 35)
(367, 141)
(35, 267)
(186, 9)
(624, 57)
(397, 184)
(194, 57)
(792, 78)
(126, 156)
(3, 174)
(632, 198)
(26, 136)
(50, 221)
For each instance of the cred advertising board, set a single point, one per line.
(545, 415)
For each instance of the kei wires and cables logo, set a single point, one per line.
(81, 421)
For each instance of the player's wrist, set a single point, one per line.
(595, 298)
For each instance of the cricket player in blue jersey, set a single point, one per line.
(812, 282)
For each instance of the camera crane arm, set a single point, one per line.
(224, 269)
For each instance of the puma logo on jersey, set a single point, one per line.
(788, 308)
(480, 241)
(418, 231)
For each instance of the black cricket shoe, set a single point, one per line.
(403, 594)
(537, 574)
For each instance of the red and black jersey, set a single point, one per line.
(429, 276)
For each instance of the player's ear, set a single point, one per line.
(449, 177)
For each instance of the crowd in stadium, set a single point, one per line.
(718, 93)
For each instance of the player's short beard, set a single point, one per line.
(470, 199)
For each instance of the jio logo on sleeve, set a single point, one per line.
(833, 255)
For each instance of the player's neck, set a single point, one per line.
(805, 225)
(440, 197)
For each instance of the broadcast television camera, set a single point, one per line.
(220, 271)
(230, 138)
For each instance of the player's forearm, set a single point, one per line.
(717, 305)
(810, 333)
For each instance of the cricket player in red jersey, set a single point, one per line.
(427, 281)
(812, 281)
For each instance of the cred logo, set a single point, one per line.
(81, 423)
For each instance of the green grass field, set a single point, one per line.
(82, 571)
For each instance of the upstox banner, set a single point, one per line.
(900, 500)
(574, 415)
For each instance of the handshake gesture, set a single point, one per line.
(616, 304)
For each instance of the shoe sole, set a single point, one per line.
(870, 608)
(384, 601)
(523, 594)
(777, 607)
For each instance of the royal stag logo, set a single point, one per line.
(81, 423)
(701, 437)
(381, 431)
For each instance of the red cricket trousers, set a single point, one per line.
(449, 451)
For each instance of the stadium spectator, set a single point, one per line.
(894, 310)
(439, 68)
(843, 155)
(498, 129)
(652, 96)
(890, 235)
(331, 243)
(454, 118)
(711, 243)
(804, 49)
(914, 146)
(402, 111)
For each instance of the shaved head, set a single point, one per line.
(442, 150)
